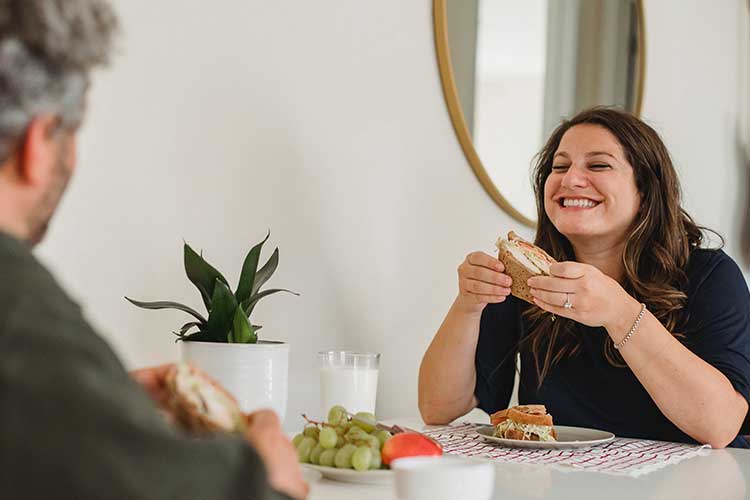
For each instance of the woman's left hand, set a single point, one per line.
(595, 299)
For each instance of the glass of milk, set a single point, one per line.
(349, 379)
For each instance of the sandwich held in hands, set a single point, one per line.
(527, 423)
(200, 404)
(522, 260)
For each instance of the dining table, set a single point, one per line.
(713, 475)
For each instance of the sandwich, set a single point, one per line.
(526, 423)
(200, 405)
(522, 260)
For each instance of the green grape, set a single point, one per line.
(337, 415)
(376, 460)
(355, 434)
(328, 437)
(346, 425)
(382, 436)
(315, 454)
(305, 448)
(361, 458)
(326, 458)
(343, 458)
(311, 431)
(373, 442)
(296, 440)
(365, 421)
(340, 441)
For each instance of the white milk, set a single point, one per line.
(353, 388)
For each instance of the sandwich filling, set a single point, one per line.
(527, 254)
(543, 432)
(206, 398)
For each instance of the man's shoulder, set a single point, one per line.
(26, 285)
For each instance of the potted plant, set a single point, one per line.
(224, 343)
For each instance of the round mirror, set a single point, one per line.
(513, 69)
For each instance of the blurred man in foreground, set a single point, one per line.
(74, 423)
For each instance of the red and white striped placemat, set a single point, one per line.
(621, 456)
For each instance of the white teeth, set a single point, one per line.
(579, 202)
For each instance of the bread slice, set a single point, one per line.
(522, 260)
(200, 404)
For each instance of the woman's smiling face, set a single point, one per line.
(591, 190)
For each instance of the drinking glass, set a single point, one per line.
(348, 379)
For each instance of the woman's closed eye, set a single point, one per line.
(599, 166)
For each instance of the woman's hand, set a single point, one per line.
(595, 299)
(480, 282)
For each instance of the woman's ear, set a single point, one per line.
(38, 151)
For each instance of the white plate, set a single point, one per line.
(353, 476)
(567, 437)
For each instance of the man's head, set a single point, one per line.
(47, 51)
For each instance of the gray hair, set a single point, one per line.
(47, 51)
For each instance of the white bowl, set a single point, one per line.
(443, 478)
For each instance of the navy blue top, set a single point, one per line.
(586, 391)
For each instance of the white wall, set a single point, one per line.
(698, 98)
(325, 122)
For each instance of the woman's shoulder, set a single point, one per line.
(713, 271)
(711, 265)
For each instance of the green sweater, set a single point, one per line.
(74, 425)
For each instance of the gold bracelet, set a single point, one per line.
(633, 328)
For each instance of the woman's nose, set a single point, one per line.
(575, 177)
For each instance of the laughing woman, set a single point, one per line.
(654, 341)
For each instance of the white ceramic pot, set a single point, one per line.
(256, 374)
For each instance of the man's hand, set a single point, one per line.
(154, 382)
(265, 435)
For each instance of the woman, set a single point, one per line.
(638, 330)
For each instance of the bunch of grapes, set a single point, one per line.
(342, 442)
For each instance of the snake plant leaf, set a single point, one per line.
(187, 326)
(250, 303)
(223, 305)
(201, 336)
(242, 333)
(202, 274)
(265, 272)
(249, 268)
(164, 304)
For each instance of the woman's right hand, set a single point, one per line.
(481, 281)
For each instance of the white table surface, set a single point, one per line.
(720, 475)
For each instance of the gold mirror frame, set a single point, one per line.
(440, 19)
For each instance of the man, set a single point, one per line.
(73, 423)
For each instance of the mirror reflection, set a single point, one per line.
(517, 67)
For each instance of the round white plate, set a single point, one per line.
(353, 476)
(567, 437)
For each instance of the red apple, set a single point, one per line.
(409, 444)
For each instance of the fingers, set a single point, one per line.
(552, 284)
(263, 419)
(559, 311)
(569, 270)
(552, 298)
(482, 259)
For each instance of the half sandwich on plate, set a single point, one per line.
(526, 423)
(200, 404)
(522, 260)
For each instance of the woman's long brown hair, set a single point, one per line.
(661, 239)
